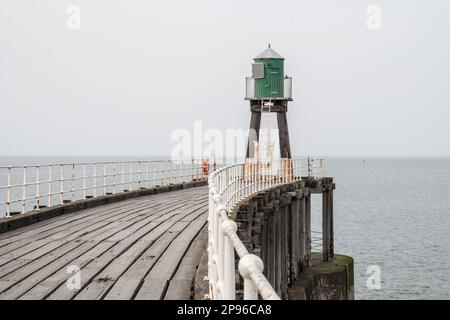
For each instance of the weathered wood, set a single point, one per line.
(97, 244)
(255, 122)
(283, 132)
(74, 227)
(136, 261)
(295, 245)
(302, 245)
(180, 286)
(19, 221)
(166, 266)
(307, 200)
(75, 233)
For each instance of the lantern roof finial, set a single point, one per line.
(269, 53)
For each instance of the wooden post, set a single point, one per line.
(295, 231)
(284, 215)
(277, 250)
(283, 132)
(327, 221)
(331, 221)
(325, 227)
(307, 199)
(302, 245)
(255, 123)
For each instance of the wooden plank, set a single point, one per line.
(180, 285)
(47, 287)
(47, 281)
(165, 267)
(141, 266)
(46, 225)
(71, 234)
(17, 276)
(78, 257)
(34, 237)
(138, 241)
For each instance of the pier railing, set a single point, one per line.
(32, 187)
(228, 186)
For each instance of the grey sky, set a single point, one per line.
(137, 70)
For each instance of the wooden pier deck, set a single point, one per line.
(142, 248)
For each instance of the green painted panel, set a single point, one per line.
(271, 86)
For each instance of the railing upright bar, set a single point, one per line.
(8, 193)
(122, 176)
(37, 188)
(61, 183)
(84, 180)
(73, 182)
(104, 178)
(94, 182)
(148, 176)
(24, 190)
(49, 200)
(114, 179)
(162, 174)
(139, 175)
(130, 187)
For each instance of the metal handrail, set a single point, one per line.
(228, 186)
(30, 187)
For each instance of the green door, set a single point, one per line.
(274, 82)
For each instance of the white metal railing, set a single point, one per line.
(227, 187)
(31, 187)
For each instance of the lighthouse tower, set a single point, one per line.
(269, 90)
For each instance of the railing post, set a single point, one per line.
(140, 175)
(162, 173)
(73, 181)
(181, 172)
(247, 264)
(94, 183)
(61, 183)
(122, 176)
(24, 190)
(84, 180)
(49, 203)
(8, 194)
(104, 178)
(37, 188)
(131, 177)
(147, 182)
(229, 276)
(114, 179)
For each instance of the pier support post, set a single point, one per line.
(295, 226)
(307, 213)
(255, 122)
(327, 220)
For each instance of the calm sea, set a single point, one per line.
(393, 213)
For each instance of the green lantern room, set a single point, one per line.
(268, 81)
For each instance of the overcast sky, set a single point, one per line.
(138, 70)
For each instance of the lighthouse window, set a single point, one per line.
(257, 70)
